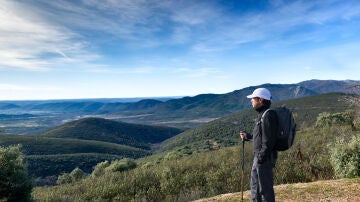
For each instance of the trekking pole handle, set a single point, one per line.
(243, 135)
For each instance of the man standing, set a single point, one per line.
(264, 139)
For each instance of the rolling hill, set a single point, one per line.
(52, 156)
(34, 145)
(104, 130)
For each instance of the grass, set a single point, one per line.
(325, 190)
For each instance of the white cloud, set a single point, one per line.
(29, 42)
(40, 36)
(303, 21)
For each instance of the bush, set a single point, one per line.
(64, 179)
(327, 119)
(99, 169)
(345, 158)
(121, 165)
(76, 175)
(15, 184)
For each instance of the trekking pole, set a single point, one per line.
(242, 170)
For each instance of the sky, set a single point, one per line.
(68, 49)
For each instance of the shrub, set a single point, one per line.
(99, 169)
(64, 179)
(356, 123)
(76, 175)
(345, 158)
(121, 165)
(327, 119)
(15, 184)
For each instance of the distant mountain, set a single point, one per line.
(66, 107)
(217, 105)
(208, 105)
(100, 129)
(5, 117)
(6, 106)
(185, 112)
(327, 86)
(144, 104)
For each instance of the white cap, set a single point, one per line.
(261, 93)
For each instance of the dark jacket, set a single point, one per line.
(264, 135)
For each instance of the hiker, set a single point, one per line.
(264, 139)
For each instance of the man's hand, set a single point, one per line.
(243, 135)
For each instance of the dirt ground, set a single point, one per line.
(331, 190)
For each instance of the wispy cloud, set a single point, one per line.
(278, 23)
(29, 42)
(40, 35)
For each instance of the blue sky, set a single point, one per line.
(138, 48)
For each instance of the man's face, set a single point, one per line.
(256, 102)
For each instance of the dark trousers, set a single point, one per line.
(262, 181)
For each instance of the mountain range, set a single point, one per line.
(186, 112)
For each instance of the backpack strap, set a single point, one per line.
(263, 115)
(261, 121)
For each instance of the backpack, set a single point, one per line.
(287, 128)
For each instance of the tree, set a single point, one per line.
(15, 184)
(100, 169)
(76, 175)
(121, 165)
(64, 179)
